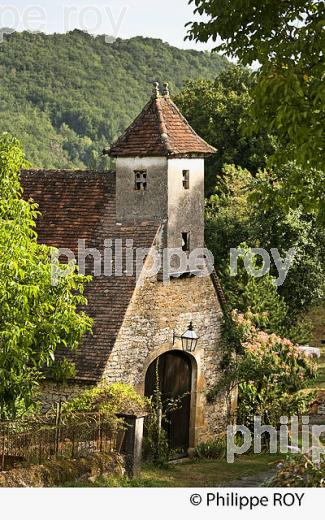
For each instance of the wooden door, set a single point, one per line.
(175, 375)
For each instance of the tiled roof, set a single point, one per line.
(160, 129)
(81, 205)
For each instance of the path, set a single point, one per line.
(252, 481)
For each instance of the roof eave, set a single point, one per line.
(192, 154)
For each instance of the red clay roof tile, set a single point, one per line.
(160, 129)
(81, 205)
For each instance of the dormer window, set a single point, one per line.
(186, 179)
(140, 177)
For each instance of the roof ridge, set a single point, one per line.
(162, 126)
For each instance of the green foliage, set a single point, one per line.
(62, 371)
(258, 298)
(216, 110)
(280, 187)
(108, 400)
(295, 227)
(299, 471)
(245, 209)
(268, 374)
(270, 404)
(287, 40)
(35, 317)
(156, 442)
(215, 449)
(67, 96)
(104, 404)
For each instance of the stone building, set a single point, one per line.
(153, 203)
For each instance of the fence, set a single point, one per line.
(41, 440)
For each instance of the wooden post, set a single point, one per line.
(73, 442)
(100, 433)
(3, 450)
(57, 427)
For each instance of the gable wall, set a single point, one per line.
(155, 311)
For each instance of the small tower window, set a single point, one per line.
(185, 241)
(140, 177)
(186, 179)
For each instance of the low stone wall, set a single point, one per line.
(58, 472)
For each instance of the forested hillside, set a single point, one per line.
(66, 96)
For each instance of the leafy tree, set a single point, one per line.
(287, 39)
(245, 209)
(229, 216)
(256, 297)
(282, 227)
(36, 317)
(217, 110)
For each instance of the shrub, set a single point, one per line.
(108, 401)
(269, 374)
(273, 371)
(215, 449)
(299, 471)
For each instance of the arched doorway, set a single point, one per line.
(175, 382)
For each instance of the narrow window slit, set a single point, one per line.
(185, 241)
(186, 179)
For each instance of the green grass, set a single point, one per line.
(194, 473)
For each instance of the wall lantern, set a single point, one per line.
(189, 339)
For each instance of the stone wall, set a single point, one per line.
(186, 207)
(138, 206)
(165, 199)
(56, 473)
(155, 311)
(52, 393)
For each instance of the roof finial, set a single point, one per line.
(166, 90)
(156, 91)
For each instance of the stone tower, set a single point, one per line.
(160, 173)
